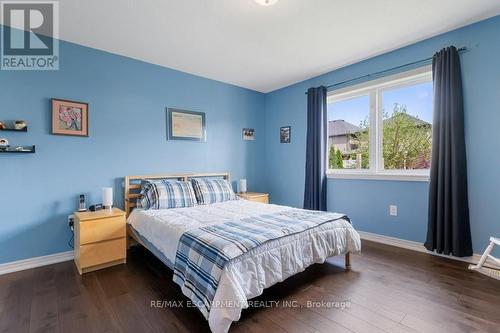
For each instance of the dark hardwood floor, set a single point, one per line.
(388, 290)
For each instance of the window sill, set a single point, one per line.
(421, 177)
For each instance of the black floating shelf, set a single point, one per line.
(15, 130)
(26, 150)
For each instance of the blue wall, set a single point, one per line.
(127, 100)
(367, 201)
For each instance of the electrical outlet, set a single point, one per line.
(393, 210)
(71, 221)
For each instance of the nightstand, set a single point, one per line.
(253, 196)
(100, 239)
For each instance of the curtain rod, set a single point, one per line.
(461, 50)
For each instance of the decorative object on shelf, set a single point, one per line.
(20, 125)
(4, 144)
(70, 118)
(243, 186)
(248, 134)
(2, 126)
(107, 197)
(285, 134)
(186, 125)
(25, 149)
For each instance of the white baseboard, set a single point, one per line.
(21, 265)
(411, 245)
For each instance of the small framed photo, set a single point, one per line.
(248, 134)
(70, 118)
(186, 125)
(285, 134)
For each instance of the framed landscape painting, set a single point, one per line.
(186, 125)
(70, 118)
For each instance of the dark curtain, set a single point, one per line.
(315, 186)
(449, 228)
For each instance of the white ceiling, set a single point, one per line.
(261, 48)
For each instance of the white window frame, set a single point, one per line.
(374, 90)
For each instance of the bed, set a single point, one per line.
(245, 275)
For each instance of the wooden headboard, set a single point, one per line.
(133, 184)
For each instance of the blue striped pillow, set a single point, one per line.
(166, 193)
(212, 190)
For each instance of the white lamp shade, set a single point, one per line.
(107, 197)
(243, 185)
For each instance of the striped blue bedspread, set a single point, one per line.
(203, 252)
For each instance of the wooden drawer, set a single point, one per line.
(254, 196)
(102, 229)
(102, 252)
(263, 199)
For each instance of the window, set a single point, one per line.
(383, 128)
(348, 124)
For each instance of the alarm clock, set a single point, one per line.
(95, 208)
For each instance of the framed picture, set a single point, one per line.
(70, 118)
(186, 125)
(285, 134)
(248, 134)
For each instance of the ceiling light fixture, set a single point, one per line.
(266, 2)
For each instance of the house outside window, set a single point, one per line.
(398, 145)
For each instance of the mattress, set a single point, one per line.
(246, 276)
(147, 244)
